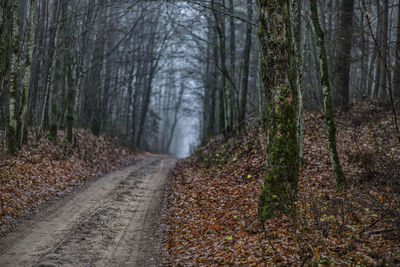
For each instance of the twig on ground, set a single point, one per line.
(379, 219)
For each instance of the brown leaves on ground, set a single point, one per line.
(212, 202)
(44, 170)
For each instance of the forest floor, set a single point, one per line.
(211, 216)
(210, 206)
(44, 171)
(111, 221)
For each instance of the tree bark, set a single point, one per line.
(13, 86)
(222, 112)
(48, 114)
(383, 94)
(147, 93)
(214, 89)
(246, 68)
(37, 61)
(343, 61)
(27, 78)
(396, 78)
(207, 81)
(177, 108)
(5, 44)
(279, 193)
(70, 101)
(378, 46)
(130, 96)
(364, 58)
(341, 181)
(232, 109)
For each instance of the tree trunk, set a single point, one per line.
(396, 78)
(70, 101)
(27, 78)
(130, 96)
(383, 94)
(5, 44)
(145, 109)
(370, 85)
(341, 181)
(232, 109)
(279, 193)
(177, 108)
(13, 87)
(146, 97)
(296, 72)
(378, 46)
(105, 98)
(37, 61)
(364, 58)
(343, 61)
(214, 89)
(207, 87)
(246, 68)
(47, 107)
(222, 113)
(138, 83)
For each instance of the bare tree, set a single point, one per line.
(341, 181)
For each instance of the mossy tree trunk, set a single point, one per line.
(296, 71)
(13, 86)
(279, 193)
(21, 135)
(341, 181)
(6, 21)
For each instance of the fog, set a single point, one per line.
(186, 137)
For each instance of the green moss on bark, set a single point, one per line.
(13, 86)
(279, 193)
(341, 181)
(280, 184)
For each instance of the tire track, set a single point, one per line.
(103, 225)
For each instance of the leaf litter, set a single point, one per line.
(43, 171)
(212, 200)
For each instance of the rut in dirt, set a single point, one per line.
(111, 223)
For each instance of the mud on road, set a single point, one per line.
(109, 223)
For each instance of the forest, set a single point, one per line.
(261, 132)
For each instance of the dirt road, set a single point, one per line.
(109, 223)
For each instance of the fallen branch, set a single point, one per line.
(379, 219)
